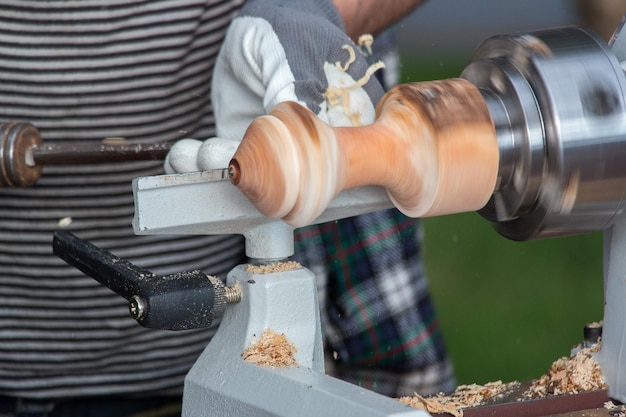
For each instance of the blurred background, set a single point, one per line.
(507, 309)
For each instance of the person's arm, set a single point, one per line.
(369, 16)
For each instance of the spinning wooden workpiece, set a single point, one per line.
(433, 147)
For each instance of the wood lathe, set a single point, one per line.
(532, 135)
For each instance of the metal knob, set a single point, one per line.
(15, 141)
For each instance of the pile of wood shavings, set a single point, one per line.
(272, 349)
(273, 267)
(578, 373)
(465, 396)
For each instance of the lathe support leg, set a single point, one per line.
(221, 383)
(612, 357)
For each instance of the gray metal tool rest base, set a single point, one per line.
(612, 356)
(222, 384)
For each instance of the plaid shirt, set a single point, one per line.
(377, 316)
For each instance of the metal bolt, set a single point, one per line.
(592, 333)
(137, 307)
(233, 294)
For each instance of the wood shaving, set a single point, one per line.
(272, 349)
(366, 41)
(368, 74)
(465, 396)
(351, 59)
(578, 373)
(433, 405)
(116, 140)
(273, 267)
(341, 94)
(64, 222)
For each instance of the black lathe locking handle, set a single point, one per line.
(181, 301)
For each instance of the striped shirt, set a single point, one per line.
(91, 69)
(87, 70)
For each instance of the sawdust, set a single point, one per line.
(595, 325)
(273, 267)
(272, 349)
(567, 375)
(614, 409)
(578, 373)
(465, 396)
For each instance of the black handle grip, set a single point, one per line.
(123, 277)
(186, 300)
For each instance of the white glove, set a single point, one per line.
(278, 51)
(189, 155)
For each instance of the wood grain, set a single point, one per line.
(433, 147)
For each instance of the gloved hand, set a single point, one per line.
(277, 51)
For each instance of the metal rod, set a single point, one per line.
(96, 153)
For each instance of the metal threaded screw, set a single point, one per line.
(137, 307)
(233, 294)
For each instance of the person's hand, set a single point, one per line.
(278, 51)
